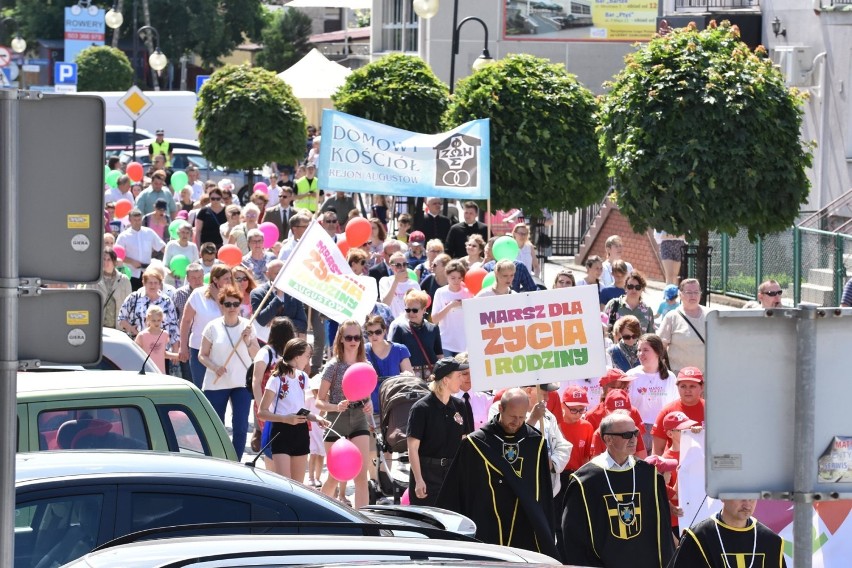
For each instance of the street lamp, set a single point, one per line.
(18, 44)
(428, 8)
(157, 60)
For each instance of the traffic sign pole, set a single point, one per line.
(134, 139)
(8, 319)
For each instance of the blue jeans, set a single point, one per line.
(196, 368)
(240, 405)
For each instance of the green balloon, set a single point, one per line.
(106, 171)
(112, 178)
(124, 269)
(489, 280)
(173, 231)
(505, 248)
(412, 275)
(207, 278)
(178, 265)
(179, 181)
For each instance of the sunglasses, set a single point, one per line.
(231, 304)
(215, 199)
(256, 241)
(774, 293)
(625, 435)
(575, 409)
(398, 264)
(360, 261)
(627, 337)
(352, 338)
(240, 279)
(330, 221)
(376, 332)
(522, 233)
(412, 310)
(633, 286)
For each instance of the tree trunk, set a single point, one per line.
(116, 34)
(149, 40)
(702, 266)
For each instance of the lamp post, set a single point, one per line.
(18, 44)
(157, 60)
(114, 19)
(428, 8)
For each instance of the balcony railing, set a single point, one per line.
(722, 4)
(337, 51)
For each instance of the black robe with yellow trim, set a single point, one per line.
(700, 547)
(475, 487)
(602, 529)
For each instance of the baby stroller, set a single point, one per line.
(396, 397)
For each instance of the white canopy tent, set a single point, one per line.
(313, 80)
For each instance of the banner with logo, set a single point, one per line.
(580, 20)
(363, 156)
(84, 27)
(832, 522)
(317, 274)
(535, 337)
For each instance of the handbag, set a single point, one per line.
(686, 319)
(428, 364)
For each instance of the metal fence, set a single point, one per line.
(809, 264)
(708, 4)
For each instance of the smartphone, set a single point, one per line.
(303, 412)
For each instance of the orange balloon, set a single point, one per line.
(358, 231)
(122, 208)
(231, 255)
(473, 279)
(135, 171)
(343, 244)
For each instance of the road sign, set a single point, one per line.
(134, 103)
(37, 62)
(5, 56)
(199, 81)
(69, 215)
(11, 71)
(62, 326)
(30, 68)
(64, 73)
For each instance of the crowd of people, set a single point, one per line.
(585, 470)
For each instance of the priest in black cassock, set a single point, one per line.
(730, 538)
(500, 478)
(616, 509)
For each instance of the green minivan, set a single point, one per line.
(117, 410)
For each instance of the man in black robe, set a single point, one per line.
(730, 538)
(616, 508)
(500, 478)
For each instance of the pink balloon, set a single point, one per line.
(119, 252)
(270, 234)
(261, 187)
(405, 499)
(344, 460)
(359, 380)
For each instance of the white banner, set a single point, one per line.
(535, 337)
(318, 275)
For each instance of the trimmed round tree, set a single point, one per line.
(703, 135)
(397, 90)
(247, 116)
(103, 68)
(544, 150)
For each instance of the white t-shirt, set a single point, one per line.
(206, 310)
(452, 324)
(649, 393)
(174, 249)
(292, 397)
(139, 245)
(685, 348)
(487, 292)
(397, 305)
(606, 275)
(223, 338)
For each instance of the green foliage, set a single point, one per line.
(247, 116)
(285, 40)
(544, 150)
(40, 19)
(702, 135)
(103, 68)
(397, 90)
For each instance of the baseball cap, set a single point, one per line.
(670, 292)
(616, 399)
(614, 375)
(182, 214)
(546, 387)
(446, 366)
(677, 420)
(417, 237)
(160, 131)
(693, 374)
(575, 396)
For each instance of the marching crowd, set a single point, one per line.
(585, 470)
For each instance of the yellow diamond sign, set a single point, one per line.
(134, 103)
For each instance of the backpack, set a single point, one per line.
(266, 373)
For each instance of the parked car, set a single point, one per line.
(118, 138)
(118, 352)
(67, 503)
(117, 410)
(313, 550)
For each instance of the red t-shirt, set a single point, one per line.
(671, 486)
(694, 412)
(597, 414)
(580, 435)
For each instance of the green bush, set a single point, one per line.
(103, 68)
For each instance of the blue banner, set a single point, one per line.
(361, 156)
(84, 27)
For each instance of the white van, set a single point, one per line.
(173, 111)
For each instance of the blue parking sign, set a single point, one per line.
(64, 73)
